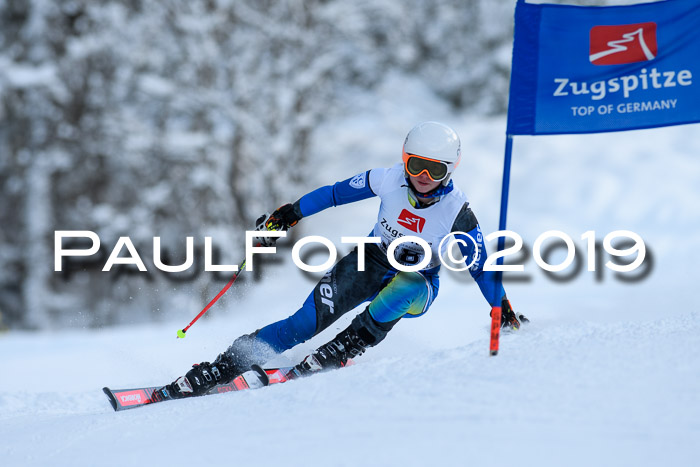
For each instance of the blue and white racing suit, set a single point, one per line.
(392, 294)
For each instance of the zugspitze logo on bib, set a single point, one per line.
(627, 43)
(411, 221)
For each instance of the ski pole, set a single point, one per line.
(260, 226)
(181, 332)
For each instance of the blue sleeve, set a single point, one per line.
(348, 191)
(485, 279)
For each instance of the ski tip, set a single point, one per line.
(262, 374)
(111, 397)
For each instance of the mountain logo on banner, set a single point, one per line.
(411, 221)
(627, 43)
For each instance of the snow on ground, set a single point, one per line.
(606, 373)
(592, 394)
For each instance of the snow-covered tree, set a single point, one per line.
(177, 118)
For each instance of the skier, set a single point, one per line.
(418, 198)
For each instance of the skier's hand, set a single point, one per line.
(509, 319)
(282, 219)
(260, 226)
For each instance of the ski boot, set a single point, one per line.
(238, 358)
(332, 355)
(200, 379)
(362, 333)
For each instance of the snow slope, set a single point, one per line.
(606, 373)
(592, 394)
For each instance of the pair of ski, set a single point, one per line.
(256, 377)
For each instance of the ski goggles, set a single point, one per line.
(416, 165)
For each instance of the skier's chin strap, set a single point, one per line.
(423, 200)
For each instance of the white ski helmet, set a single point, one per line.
(433, 148)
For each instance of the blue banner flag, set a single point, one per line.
(594, 69)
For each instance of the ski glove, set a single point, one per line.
(509, 319)
(282, 219)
